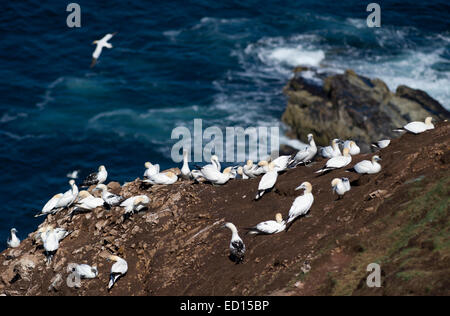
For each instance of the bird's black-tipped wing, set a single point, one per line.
(90, 180)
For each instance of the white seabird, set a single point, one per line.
(150, 170)
(96, 178)
(351, 145)
(237, 247)
(267, 181)
(118, 269)
(100, 44)
(51, 243)
(337, 162)
(73, 174)
(162, 178)
(215, 163)
(301, 204)
(110, 199)
(13, 241)
(185, 170)
(381, 143)
(241, 172)
(417, 127)
(87, 202)
(306, 154)
(49, 207)
(331, 151)
(262, 168)
(269, 227)
(340, 186)
(135, 204)
(215, 176)
(281, 163)
(85, 271)
(368, 166)
(249, 169)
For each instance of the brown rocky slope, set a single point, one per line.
(177, 246)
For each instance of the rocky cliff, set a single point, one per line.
(398, 218)
(351, 106)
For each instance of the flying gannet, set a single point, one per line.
(215, 176)
(237, 247)
(301, 204)
(13, 241)
(351, 145)
(337, 162)
(267, 181)
(85, 271)
(331, 151)
(100, 44)
(368, 166)
(150, 170)
(135, 204)
(162, 178)
(118, 269)
(306, 154)
(340, 186)
(417, 127)
(381, 143)
(96, 178)
(110, 199)
(73, 174)
(269, 227)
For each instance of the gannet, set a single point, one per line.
(381, 143)
(263, 167)
(306, 154)
(337, 162)
(85, 271)
(215, 176)
(331, 151)
(150, 170)
(110, 199)
(135, 204)
(269, 227)
(237, 247)
(51, 243)
(249, 169)
(88, 202)
(240, 172)
(340, 186)
(281, 163)
(215, 163)
(162, 178)
(118, 269)
(13, 241)
(49, 207)
(96, 178)
(369, 167)
(351, 145)
(301, 204)
(417, 127)
(73, 174)
(185, 170)
(267, 181)
(100, 44)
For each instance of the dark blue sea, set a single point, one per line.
(225, 62)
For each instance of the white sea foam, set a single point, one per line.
(47, 97)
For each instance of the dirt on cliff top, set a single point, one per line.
(398, 218)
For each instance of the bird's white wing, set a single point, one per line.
(416, 127)
(107, 37)
(268, 181)
(363, 166)
(50, 205)
(337, 162)
(97, 51)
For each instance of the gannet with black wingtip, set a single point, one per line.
(301, 204)
(305, 155)
(340, 186)
(96, 178)
(381, 143)
(109, 198)
(13, 241)
(50, 206)
(85, 271)
(269, 227)
(100, 45)
(351, 145)
(150, 170)
(337, 162)
(237, 246)
(368, 166)
(241, 172)
(267, 181)
(51, 243)
(185, 170)
(215, 176)
(162, 178)
(331, 151)
(417, 127)
(118, 269)
(135, 204)
(281, 163)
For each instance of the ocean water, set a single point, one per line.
(172, 62)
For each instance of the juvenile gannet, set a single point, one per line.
(85, 271)
(118, 269)
(96, 178)
(73, 174)
(215, 176)
(281, 163)
(13, 241)
(417, 127)
(100, 44)
(50, 206)
(306, 154)
(185, 170)
(351, 145)
(368, 166)
(237, 247)
(381, 143)
(267, 181)
(331, 151)
(135, 204)
(162, 178)
(337, 162)
(110, 199)
(243, 175)
(340, 186)
(150, 170)
(301, 204)
(269, 227)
